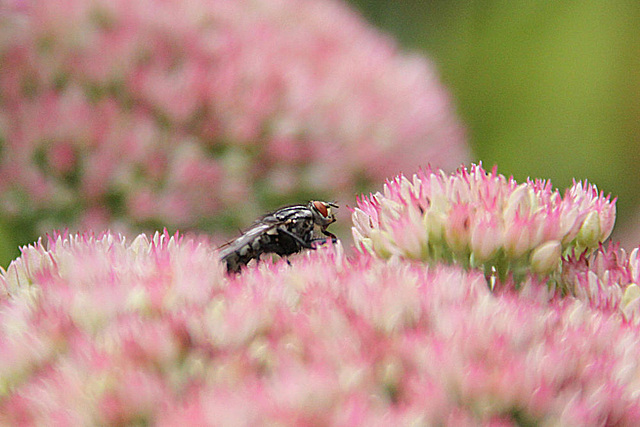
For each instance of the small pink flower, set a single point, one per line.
(608, 280)
(62, 158)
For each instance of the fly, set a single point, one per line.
(284, 232)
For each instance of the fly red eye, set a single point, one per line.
(321, 207)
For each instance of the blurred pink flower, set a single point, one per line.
(481, 219)
(608, 280)
(96, 330)
(185, 114)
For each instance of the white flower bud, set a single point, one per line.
(589, 233)
(546, 257)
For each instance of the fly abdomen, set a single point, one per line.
(283, 232)
(247, 247)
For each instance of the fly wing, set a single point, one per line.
(247, 237)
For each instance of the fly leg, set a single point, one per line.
(297, 239)
(320, 240)
(333, 237)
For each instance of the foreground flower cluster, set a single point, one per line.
(98, 331)
(481, 219)
(175, 113)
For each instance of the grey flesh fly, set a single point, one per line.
(284, 232)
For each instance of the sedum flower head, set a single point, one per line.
(482, 219)
(609, 279)
(183, 114)
(95, 330)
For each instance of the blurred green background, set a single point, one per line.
(547, 89)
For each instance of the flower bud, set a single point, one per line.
(517, 238)
(457, 229)
(589, 233)
(607, 221)
(486, 239)
(521, 202)
(380, 243)
(630, 300)
(546, 257)
(435, 222)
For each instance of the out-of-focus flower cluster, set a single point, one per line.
(482, 220)
(608, 280)
(96, 331)
(182, 114)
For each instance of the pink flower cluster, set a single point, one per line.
(98, 331)
(481, 219)
(187, 113)
(608, 280)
